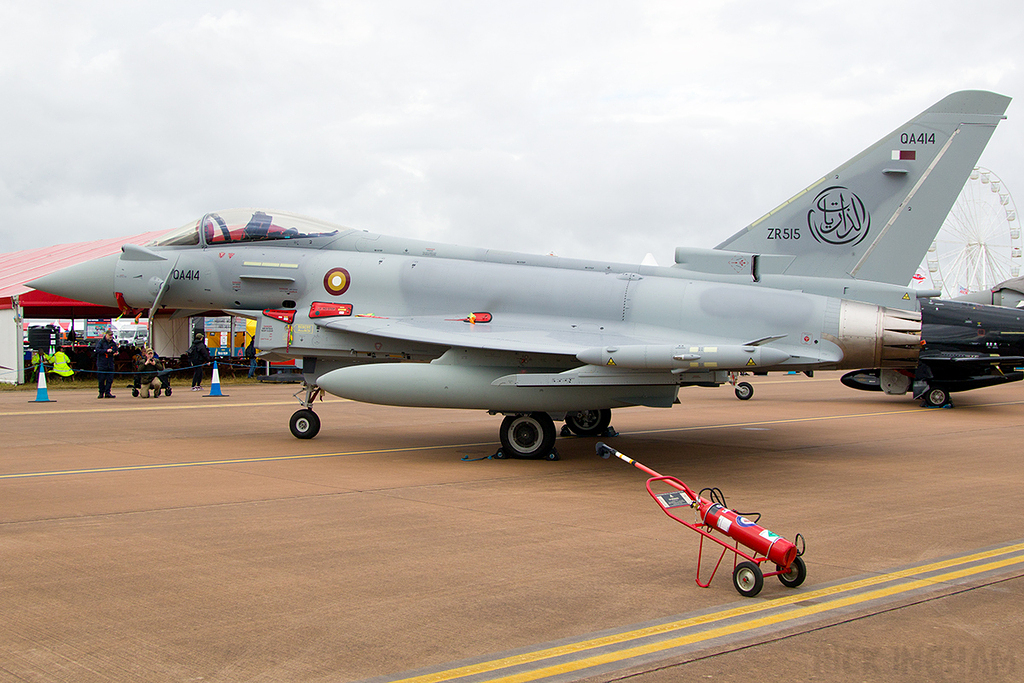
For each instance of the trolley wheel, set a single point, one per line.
(936, 396)
(748, 579)
(588, 422)
(744, 391)
(796, 574)
(305, 424)
(527, 436)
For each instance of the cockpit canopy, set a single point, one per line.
(245, 225)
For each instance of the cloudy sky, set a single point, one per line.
(590, 129)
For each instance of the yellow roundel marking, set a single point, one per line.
(336, 281)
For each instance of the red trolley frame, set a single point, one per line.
(709, 517)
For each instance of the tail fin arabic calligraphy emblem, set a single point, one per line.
(838, 217)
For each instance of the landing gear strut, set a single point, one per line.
(304, 423)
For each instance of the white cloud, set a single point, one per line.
(604, 130)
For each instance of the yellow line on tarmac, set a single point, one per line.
(163, 406)
(207, 463)
(129, 468)
(768, 620)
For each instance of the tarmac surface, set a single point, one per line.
(192, 538)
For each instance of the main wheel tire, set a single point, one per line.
(748, 579)
(744, 391)
(588, 422)
(527, 436)
(305, 424)
(936, 396)
(796, 574)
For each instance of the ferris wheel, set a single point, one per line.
(979, 244)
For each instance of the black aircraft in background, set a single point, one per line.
(964, 346)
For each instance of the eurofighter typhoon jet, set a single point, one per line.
(818, 283)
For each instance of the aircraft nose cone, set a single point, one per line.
(92, 281)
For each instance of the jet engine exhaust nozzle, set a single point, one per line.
(878, 336)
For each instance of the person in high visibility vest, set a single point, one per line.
(36, 360)
(60, 362)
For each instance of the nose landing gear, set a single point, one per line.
(304, 423)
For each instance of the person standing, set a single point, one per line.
(250, 353)
(106, 351)
(199, 357)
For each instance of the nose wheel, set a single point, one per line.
(305, 424)
(744, 391)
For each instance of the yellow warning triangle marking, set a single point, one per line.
(750, 361)
(906, 296)
(611, 362)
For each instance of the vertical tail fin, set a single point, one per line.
(874, 217)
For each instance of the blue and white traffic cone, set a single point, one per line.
(41, 395)
(215, 382)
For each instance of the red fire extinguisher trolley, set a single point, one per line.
(712, 516)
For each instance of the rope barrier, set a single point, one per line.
(166, 371)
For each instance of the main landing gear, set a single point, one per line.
(936, 397)
(588, 422)
(532, 435)
(304, 423)
(522, 435)
(528, 436)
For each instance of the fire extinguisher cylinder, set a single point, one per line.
(716, 516)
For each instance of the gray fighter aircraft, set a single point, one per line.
(818, 283)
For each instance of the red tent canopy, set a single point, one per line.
(19, 267)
